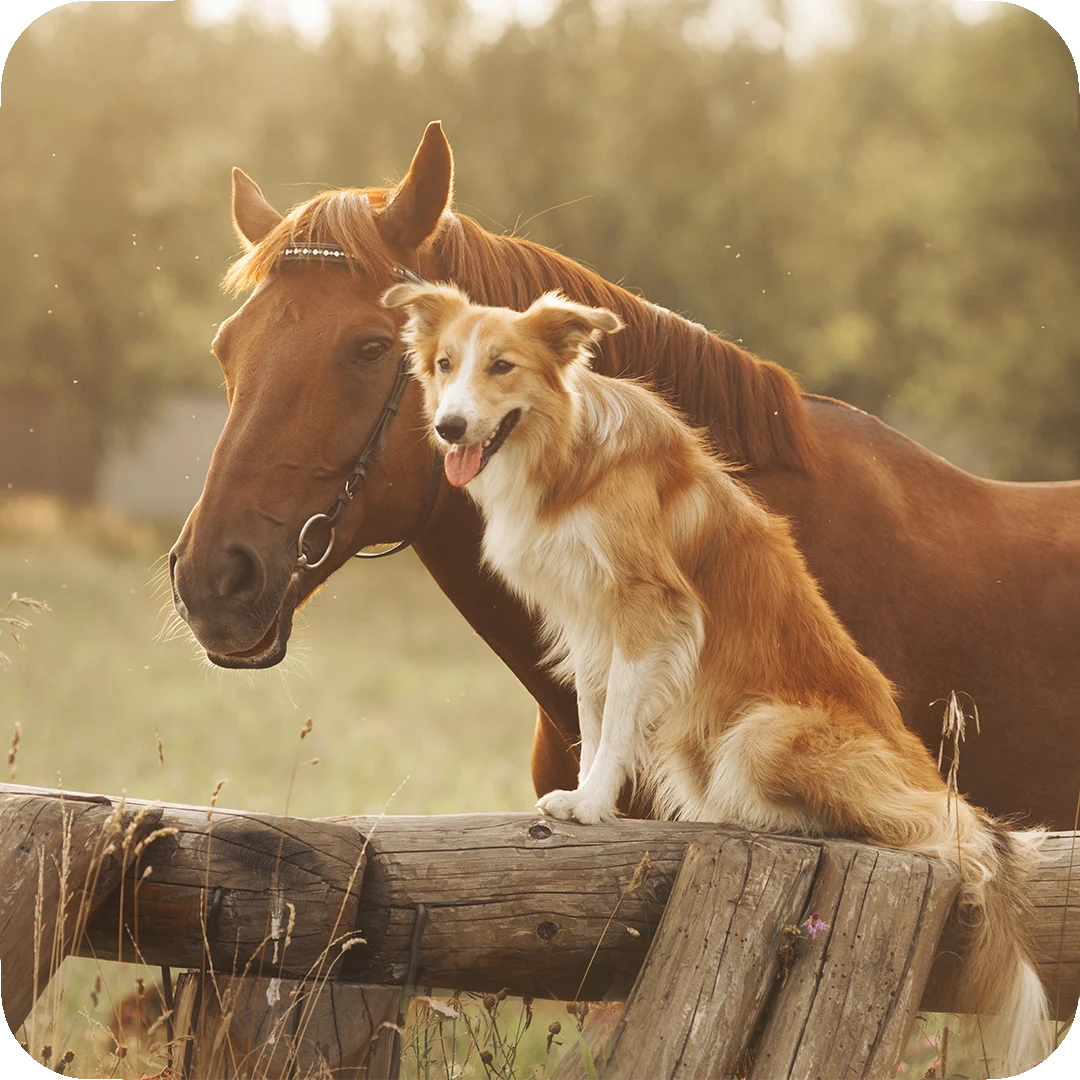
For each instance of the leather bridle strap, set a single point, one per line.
(376, 442)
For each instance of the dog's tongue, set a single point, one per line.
(462, 463)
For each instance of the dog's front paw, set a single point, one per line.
(576, 806)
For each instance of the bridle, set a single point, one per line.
(333, 514)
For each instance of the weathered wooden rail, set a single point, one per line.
(292, 924)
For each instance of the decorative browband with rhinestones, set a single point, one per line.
(314, 251)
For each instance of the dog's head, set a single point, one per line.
(493, 374)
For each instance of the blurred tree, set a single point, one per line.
(118, 126)
(896, 220)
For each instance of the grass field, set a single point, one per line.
(399, 689)
(411, 713)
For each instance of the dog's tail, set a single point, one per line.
(997, 977)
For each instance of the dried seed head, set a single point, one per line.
(305, 731)
(213, 798)
(487, 1057)
(489, 1002)
(16, 735)
(160, 748)
(501, 995)
(292, 923)
(641, 873)
(46, 1054)
(157, 834)
(33, 605)
(554, 1027)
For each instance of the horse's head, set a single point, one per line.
(310, 361)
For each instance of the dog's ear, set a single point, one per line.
(569, 329)
(429, 309)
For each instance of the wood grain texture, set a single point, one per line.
(848, 1000)
(275, 1029)
(233, 884)
(70, 855)
(714, 962)
(514, 900)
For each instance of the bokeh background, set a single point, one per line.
(881, 195)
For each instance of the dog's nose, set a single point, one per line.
(451, 428)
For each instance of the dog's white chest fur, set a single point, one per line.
(556, 565)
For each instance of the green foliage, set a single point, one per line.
(896, 220)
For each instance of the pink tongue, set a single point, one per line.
(462, 463)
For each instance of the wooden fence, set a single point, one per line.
(303, 937)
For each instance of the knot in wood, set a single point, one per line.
(539, 831)
(546, 931)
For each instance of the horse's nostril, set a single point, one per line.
(239, 573)
(451, 428)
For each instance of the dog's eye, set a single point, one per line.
(501, 367)
(371, 350)
(443, 363)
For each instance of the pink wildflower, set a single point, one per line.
(813, 926)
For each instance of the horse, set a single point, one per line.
(960, 589)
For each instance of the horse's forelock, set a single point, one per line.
(344, 217)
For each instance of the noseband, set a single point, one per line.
(333, 514)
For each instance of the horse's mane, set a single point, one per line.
(752, 408)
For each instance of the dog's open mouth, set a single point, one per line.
(464, 463)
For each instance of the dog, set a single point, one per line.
(708, 667)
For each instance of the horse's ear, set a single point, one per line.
(568, 329)
(417, 203)
(253, 216)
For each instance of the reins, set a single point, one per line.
(376, 442)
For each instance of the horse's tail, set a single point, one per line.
(995, 865)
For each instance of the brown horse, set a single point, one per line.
(948, 581)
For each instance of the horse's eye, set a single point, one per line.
(372, 350)
(501, 367)
(443, 363)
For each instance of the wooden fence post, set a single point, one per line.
(849, 1001)
(734, 986)
(59, 860)
(234, 1028)
(712, 964)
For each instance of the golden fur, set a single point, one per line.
(708, 666)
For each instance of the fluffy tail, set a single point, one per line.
(997, 977)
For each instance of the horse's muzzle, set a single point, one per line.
(239, 621)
